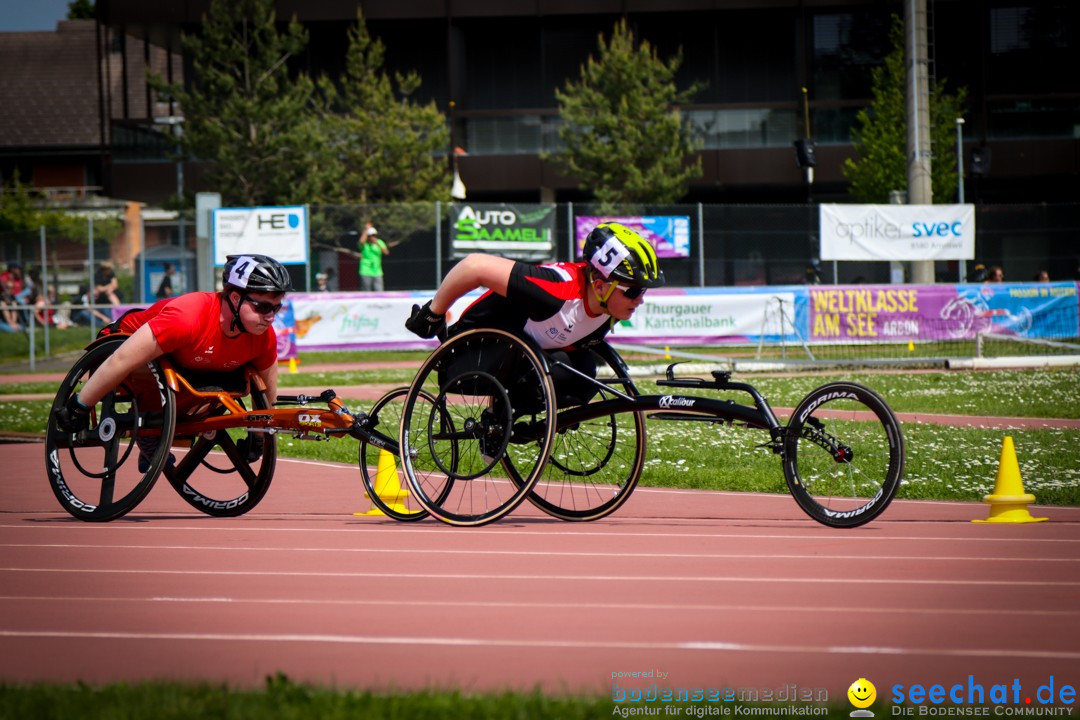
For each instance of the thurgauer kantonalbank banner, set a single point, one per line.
(521, 232)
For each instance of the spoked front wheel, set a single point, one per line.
(380, 467)
(843, 455)
(480, 416)
(595, 464)
(96, 473)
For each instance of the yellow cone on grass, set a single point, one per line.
(1008, 503)
(292, 365)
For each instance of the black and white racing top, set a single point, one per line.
(545, 302)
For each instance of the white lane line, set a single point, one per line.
(706, 646)
(579, 606)
(551, 578)
(557, 531)
(608, 556)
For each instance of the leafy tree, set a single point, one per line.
(23, 210)
(623, 133)
(880, 139)
(245, 114)
(80, 10)
(384, 145)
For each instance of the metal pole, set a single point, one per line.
(701, 244)
(960, 180)
(307, 265)
(30, 330)
(44, 289)
(570, 228)
(918, 120)
(438, 242)
(90, 283)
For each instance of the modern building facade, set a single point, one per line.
(493, 68)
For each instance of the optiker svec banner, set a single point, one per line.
(520, 232)
(897, 232)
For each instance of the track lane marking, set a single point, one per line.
(704, 646)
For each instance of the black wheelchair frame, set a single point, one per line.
(838, 480)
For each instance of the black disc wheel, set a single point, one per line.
(843, 455)
(473, 453)
(96, 473)
(229, 484)
(595, 464)
(380, 467)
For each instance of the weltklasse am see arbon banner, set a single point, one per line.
(816, 314)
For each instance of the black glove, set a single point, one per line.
(251, 447)
(425, 323)
(74, 416)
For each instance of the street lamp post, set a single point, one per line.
(960, 179)
(176, 121)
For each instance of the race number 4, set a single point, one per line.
(241, 271)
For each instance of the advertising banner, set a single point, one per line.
(816, 314)
(897, 232)
(884, 313)
(280, 232)
(285, 329)
(521, 232)
(668, 234)
(670, 316)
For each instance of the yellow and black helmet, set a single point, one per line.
(618, 253)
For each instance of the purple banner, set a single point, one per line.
(883, 313)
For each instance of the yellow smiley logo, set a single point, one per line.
(862, 693)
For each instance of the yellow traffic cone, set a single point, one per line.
(292, 365)
(1008, 503)
(667, 352)
(387, 486)
(910, 346)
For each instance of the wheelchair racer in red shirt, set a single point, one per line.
(199, 331)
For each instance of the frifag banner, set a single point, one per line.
(521, 232)
(897, 232)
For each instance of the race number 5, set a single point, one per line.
(608, 256)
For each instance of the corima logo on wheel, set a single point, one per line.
(825, 398)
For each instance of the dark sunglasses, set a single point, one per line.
(263, 307)
(632, 293)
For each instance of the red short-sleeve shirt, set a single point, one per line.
(188, 329)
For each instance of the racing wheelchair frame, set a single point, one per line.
(96, 478)
(484, 431)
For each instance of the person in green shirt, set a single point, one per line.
(372, 248)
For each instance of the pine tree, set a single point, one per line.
(880, 139)
(387, 146)
(246, 115)
(625, 138)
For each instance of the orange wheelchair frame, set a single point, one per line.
(96, 474)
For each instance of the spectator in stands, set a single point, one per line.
(10, 286)
(165, 287)
(1042, 276)
(995, 274)
(80, 314)
(105, 285)
(977, 274)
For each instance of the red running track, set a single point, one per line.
(713, 589)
